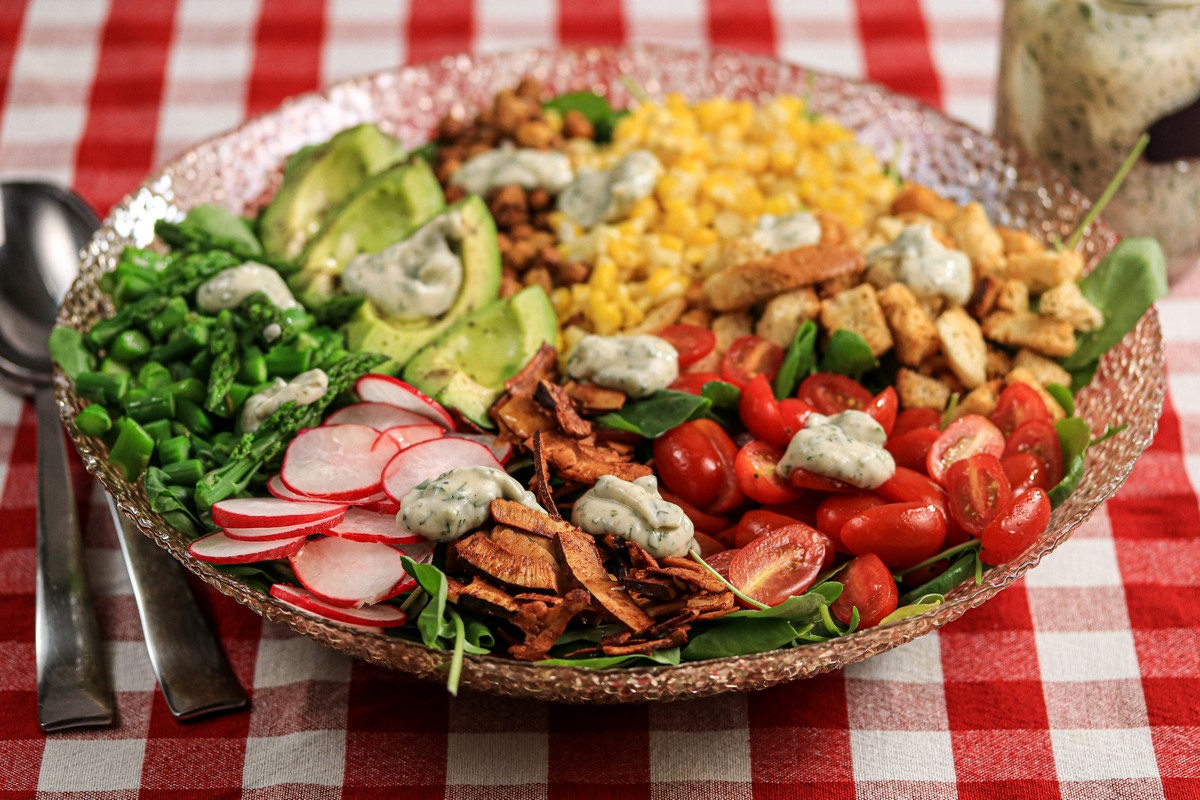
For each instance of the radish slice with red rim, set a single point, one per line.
(384, 506)
(337, 462)
(368, 616)
(420, 552)
(408, 435)
(501, 450)
(385, 389)
(285, 531)
(365, 526)
(379, 416)
(217, 548)
(276, 488)
(350, 574)
(427, 460)
(256, 512)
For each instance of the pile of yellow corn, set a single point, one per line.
(727, 163)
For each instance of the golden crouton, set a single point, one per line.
(962, 342)
(858, 310)
(1017, 242)
(785, 313)
(1066, 303)
(884, 229)
(998, 363)
(923, 200)
(1043, 369)
(918, 391)
(835, 286)
(728, 327)
(1020, 375)
(664, 314)
(974, 235)
(1042, 271)
(1047, 336)
(915, 335)
(743, 285)
(1013, 296)
(984, 296)
(980, 400)
(700, 317)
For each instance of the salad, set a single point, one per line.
(597, 387)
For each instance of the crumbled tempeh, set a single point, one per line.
(1020, 375)
(984, 296)
(915, 335)
(1013, 296)
(747, 284)
(1046, 336)
(543, 622)
(963, 345)
(515, 515)
(594, 400)
(1043, 369)
(858, 310)
(1045, 270)
(923, 200)
(496, 561)
(583, 560)
(919, 391)
(1018, 242)
(975, 236)
(1066, 303)
(554, 398)
(785, 313)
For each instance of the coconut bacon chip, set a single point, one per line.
(583, 560)
(554, 399)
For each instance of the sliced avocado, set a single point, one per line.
(382, 211)
(318, 177)
(466, 366)
(399, 339)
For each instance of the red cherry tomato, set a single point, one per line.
(803, 509)
(782, 563)
(830, 393)
(901, 534)
(708, 545)
(1018, 404)
(922, 576)
(834, 512)
(1025, 471)
(978, 491)
(867, 585)
(755, 471)
(1039, 438)
(909, 486)
(720, 561)
(695, 461)
(883, 409)
(963, 438)
(756, 523)
(712, 524)
(911, 449)
(749, 356)
(773, 421)
(693, 382)
(691, 342)
(803, 479)
(912, 418)
(1014, 531)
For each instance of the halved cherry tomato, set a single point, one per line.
(963, 438)
(912, 418)
(1025, 471)
(1016, 405)
(749, 356)
(755, 471)
(910, 486)
(711, 524)
(901, 534)
(695, 461)
(708, 545)
(867, 585)
(720, 561)
(756, 523)
(883, 409)
(691, 342)
(773, 421)
(693, 382)
(834, 512)
(911, 449)
(782, 563)
(1014, 531)
(803, 479)
(978, 491)
(1039, 438)
(830, 393)
(803, 509)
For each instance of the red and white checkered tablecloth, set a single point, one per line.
(1081, 681)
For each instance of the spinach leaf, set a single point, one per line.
(958, 571)
(1074, 436)
(163, 501)
(427, 151)
(593, 106)
(926, 603)
(723, 396)
(262, 574)
(739, 637)
(68, 351)
(211, 228)
(798, 608)
(479, 638)
(432, 621)
(658, 413)
(798, 362)
(668, 656)
(1062, 395)
(848, 354)
(1123, 286)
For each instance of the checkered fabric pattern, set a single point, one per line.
(1079, 682)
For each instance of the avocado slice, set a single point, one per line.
(466, 366)
(318, 177)
(383, 210)
(400, 339)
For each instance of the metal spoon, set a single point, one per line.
(43, 229)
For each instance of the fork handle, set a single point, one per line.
(73, 687)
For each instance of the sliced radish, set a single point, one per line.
(378, 497)
(385, 506)
(277, 489)
(337, 462)
(217, 548)
(284, 532)
(501, 450)
(430, 459)
(379, 416)
(386, 389)
(348, 573)
(370, 616)
(408, 435)
(365, 526)
(256, 512)
(420, 552)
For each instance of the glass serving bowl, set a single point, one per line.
(241, 169)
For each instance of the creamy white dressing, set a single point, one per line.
(417, 278)
(926, 266)
(456, 502)
(305, 389)
(777, 234)
(635, 511)
(636, 365)
(272, 332)
(608, 195)
(847, 447)
(228, 288)
(525, 167)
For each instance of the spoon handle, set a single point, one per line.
(73, 687)
(192, 671)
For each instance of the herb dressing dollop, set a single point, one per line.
(635, 511)
(847, 447)
(636, 365)
(927, 266)
(777, 234)
(442, 509)
(608, 195)
(227, 289)
(305, 389)
(525, 167)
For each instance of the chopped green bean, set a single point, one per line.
(174, 450)
(193, 417)
(153, 406)
(94, 420)
(110, 366)
(102, 387)
(132, 450)
(167, 320)
(182, 342)
(288, 361)
(159, 429)
(238, 394)
(185, 473)
(253, 369)
(187, 389)
(154, 375)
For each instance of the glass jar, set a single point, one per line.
(1081, 80)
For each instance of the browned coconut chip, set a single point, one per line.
(594, 400)
(543, 622)
(583, 560)
(553, 398)
(584, 462)
(541, 478)
(482, 597)
(515, 515)
(497, 562)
